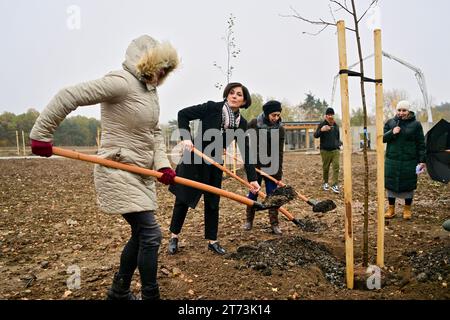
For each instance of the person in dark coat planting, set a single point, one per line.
(328, 132)
(222, 117)
(405, 157)
(270, 122)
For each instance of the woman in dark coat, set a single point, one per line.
(269, 135)
(222, 117)
(405, 157)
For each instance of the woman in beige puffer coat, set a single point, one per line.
(130, 134)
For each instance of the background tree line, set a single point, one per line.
(82, 131)
(73, 131)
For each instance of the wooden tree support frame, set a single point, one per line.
(349, 259)
(380, 147)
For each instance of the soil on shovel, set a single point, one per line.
(279, 197)
(324, 206)
(51, 227)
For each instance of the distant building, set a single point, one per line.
(300, 135)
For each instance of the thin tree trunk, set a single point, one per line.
(366, 162)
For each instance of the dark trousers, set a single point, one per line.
(211, 213)
(408, 201)
(141, 251)
(211, 217)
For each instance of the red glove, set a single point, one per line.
(168, 176)
(41, 148)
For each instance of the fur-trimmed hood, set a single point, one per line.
(146, 58)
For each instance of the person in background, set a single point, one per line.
(405, 157)
(131, 135)
(223, 116)
(269, 121)
(328, 132)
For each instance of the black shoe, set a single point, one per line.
(215, 247)
(173, 245)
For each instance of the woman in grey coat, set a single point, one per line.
(130, 134)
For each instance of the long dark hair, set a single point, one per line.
(247, 97)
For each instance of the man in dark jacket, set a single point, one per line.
(328, 132)
(269, 135)
(405, 157)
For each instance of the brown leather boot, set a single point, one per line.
(390, 213)
(274, 224)
(249, 218)
(407, 212)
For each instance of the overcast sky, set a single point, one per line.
(50, 44)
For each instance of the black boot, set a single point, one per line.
(249, 218)
(150, 294)
(173, 246)
(120, 288)
(274, 224)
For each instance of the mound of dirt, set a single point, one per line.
(433, 265)
(287, 252)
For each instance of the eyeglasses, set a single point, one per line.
(402, 110)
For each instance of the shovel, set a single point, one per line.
(279, 197)
(322, 206)
(147, 172)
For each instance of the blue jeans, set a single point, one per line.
(270, 187)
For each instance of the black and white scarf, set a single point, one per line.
(230, 120)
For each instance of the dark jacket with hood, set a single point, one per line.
(210, 115)
(404, 151)
(263, 123)
(329, 140)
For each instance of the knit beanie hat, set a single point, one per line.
(404, 104)
(329, 111)
(271, 106)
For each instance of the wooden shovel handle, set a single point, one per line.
(246, 183)
(147, 172)
(279, 183)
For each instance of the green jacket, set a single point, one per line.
(404, 151)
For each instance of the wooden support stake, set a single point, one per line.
(225, 160)
(234, 156)
(347, 155)
(307, 138)
(23, 143)
(98, 138)
(380, 148)
(17, 143)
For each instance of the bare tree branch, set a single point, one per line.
(374, 2)
(331, 12)
(316, 22)
(340, 5)
(315, 34)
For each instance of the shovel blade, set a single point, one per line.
(324, 206)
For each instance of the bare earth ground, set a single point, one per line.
(50, 221)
